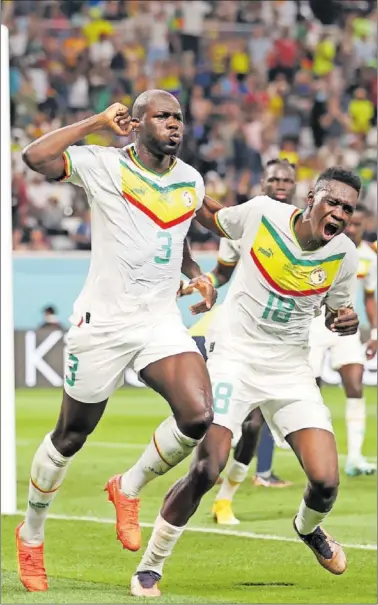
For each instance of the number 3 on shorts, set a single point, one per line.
(166, 246)
(222, 392)
(73, 364)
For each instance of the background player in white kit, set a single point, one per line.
(348, 355)
(142, 201)
(291, 261)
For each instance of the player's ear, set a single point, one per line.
(310, 199)
(135, 124)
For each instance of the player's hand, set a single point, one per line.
(371, 349)
(203, 284)
(117, 118)
(346, 322)
(185, 289)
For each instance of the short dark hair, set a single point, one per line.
(336, 173)
(281, 162)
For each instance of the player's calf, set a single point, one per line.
(180, 504)
(316, 450)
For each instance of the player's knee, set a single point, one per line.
(326, 489)
(353, 390)
(196, 424)
(68, 443)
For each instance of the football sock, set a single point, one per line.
(47, 473)
(356, 421)
(163, 538)
(307, 520)
(168, 447)
(235, 477)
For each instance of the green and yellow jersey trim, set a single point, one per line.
(136, 160)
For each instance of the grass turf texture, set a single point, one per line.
(86, 564)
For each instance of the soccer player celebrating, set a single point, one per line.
(142, 200)
(290, 263)
(348, 355)
(278, 182)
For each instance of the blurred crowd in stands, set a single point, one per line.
(256, 79)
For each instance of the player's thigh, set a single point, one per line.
(347, 350)
(95, 364)
(234, 396)
(171, 364)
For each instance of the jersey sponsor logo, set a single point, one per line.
(166, 206)
(286, 273)
(267, 253)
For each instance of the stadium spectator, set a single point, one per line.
(50, 318)
(256, 80)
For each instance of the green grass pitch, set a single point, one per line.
(86, 564)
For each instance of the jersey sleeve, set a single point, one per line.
(228, 253)
(233, 221)
(342, 292)
(81, 164)
(200, 190)
(370, 281)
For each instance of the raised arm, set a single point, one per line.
(45, 155)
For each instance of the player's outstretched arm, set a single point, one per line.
(45, 155)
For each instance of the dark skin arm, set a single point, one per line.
(371, 312)
(198, 281)
(206, 215)
(45, 155)
(223, 273)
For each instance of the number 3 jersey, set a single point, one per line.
(278, 287)
(139, 220)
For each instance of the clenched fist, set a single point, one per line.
(117, 118)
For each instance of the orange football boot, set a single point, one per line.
(31, 567)
(127, 514)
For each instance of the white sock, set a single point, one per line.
(235, 477)
(307, 520)
(168, 447)
(47, 473)
(356, 421)
(160, 546)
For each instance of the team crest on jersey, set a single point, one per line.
(318, 277)
(187, 199)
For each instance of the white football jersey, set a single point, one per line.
(139, 222)
(367, 267)
(278, 286)
(229, 252)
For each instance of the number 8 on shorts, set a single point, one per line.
(222, 392)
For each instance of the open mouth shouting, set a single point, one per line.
(330, 229)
